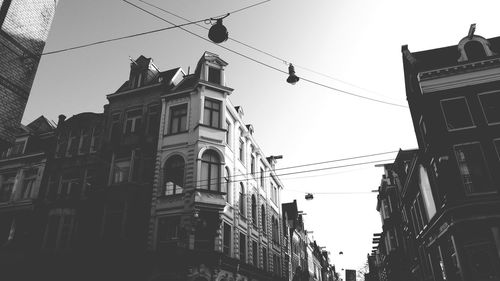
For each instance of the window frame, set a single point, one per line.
(468, 110)
(173, 117)
(133, 119)
(208, 181)
(243, 246)
(211, 110)
(176, 188)
(482, 106)
(60, 214)
(485, 163)
(497, 147)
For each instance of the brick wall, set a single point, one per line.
(24, 29)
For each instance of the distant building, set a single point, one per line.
(24, 26)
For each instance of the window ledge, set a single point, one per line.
(177, 133)
(208, 126)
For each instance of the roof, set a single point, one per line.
(445, 56)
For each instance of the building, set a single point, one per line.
(22, 176)
(298, 241)
(24, 26)
(449, 187)
(168, 183)
(216, 196)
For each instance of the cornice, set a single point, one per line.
(459, 76)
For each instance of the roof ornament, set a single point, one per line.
(472, 29)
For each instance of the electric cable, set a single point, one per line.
(263, 52)
(148, 32)
(265, 64)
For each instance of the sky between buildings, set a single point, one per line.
(356, 41)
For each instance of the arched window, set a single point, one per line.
(274, 223)
(174, 175)
(242, 200)
(474, 50)
(210, 171)
(227, 188)
(263, 218)
(254, 210)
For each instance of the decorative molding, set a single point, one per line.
(429, 85)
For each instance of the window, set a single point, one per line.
(457, 114)
(262, 175)
(241, 155)
(497, 146)
(121, 171)
(115, 127)
(252, 164)
(228, 133)
(472, 167)
(227, 185)
(418, 216)
(274, 193)
(178, 119)
(277, 266)
(96, 139)
(17, 148)
(29, 180)
(255, 254)
(85, 141)
(168, 229)
(254, 211)
(8, 181)
(211, 113)
(275, 229)
(226, 245)
(490, 103)
(73, 142)
(71, 184)
(90, 180)
(174, 175)
(210, 171)
(242, 200)
(59, 229)
(264, 259)
(214, 75)
(133, 121)
(474, 50)
(263, 218)
(154, 120)
(243, 247)
(426, 191)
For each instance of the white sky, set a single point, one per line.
(358, 41)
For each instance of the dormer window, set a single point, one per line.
(474, 50)
(214, 75)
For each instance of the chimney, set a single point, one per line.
(62, 117)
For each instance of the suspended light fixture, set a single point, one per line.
(218, 32)
(292, 78)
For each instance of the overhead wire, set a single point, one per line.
(149, 32)
(265, 64)
(262, 51)
(223, 47)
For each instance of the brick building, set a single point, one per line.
(449, 189)
(24, 26)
